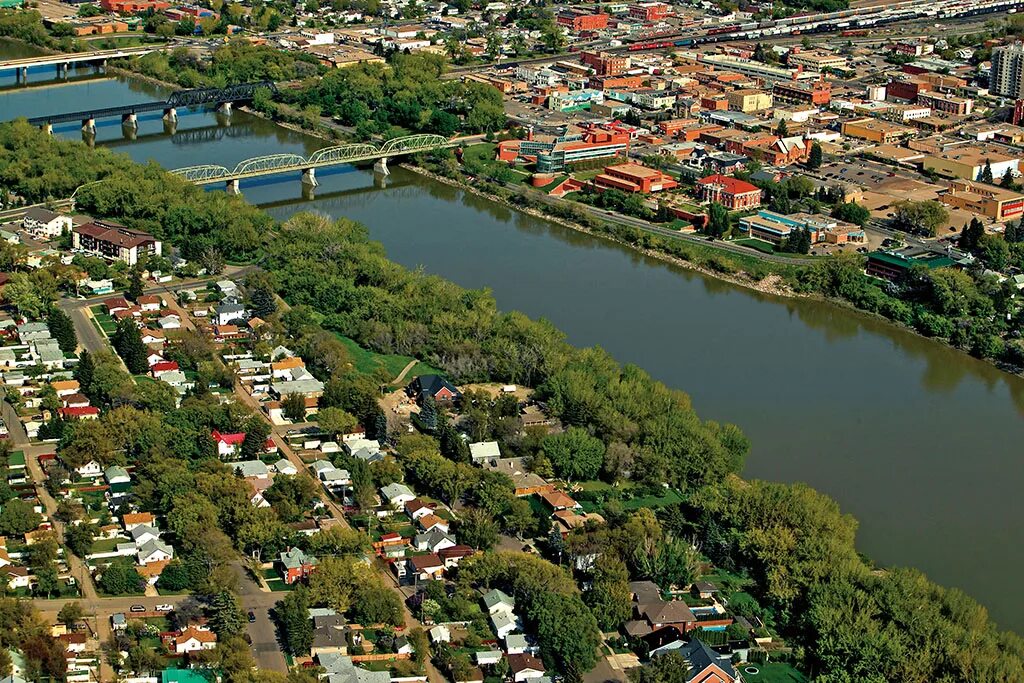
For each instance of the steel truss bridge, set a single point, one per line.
(196, 97)
(329, 156)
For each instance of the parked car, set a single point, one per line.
(165, 608)
(138, 608)
(252, 616)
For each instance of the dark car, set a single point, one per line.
(252, 616)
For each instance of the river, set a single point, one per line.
(911, 437)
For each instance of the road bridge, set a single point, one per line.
(64, 61)
(196, 97)
(272, 164)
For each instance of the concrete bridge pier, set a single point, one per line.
(171, 114)
(381, 167)
(22, 75)
(224, 108)
(89, 126)
(231, 187)
(308, 192)
(130, 121)
(62, 70)
(170, 127)
(47, 128)
(309, 177)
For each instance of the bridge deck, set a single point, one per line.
(46, 60)
(65, 117)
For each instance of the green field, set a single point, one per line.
(367, 362)
(105, 322)
(772, 673)
(760, 245)
(106, 545)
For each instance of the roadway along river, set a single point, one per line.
(912, 438)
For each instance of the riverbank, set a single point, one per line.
(774, 284)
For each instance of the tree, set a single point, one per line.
(331, 584)
(1009, 180)
(127, 341)
(924, 217)
(567, 631)
(294, 407)
(575, 454)
(428, 414)
(120, 578)
(17, 517)
(986, 172)
(84, 373)
(851, 212)
(670, 667)
(519, 519)
(815, 157)
(376, 604)
(261, 297)
(718, 220)
(135, 286)
(175, 577)
(211, 261)
(70, 613)
(971, 235)
(782, 130)
(255, 442)
(609, 596)
(336, 421)
(478, 529)
(23, 294)
(62, 329)
(79, 538)
(292, 616)
(226, 616)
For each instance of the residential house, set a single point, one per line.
(397, 494)
(484, 450)
(132, 520)
(284, 466)
(143, 534)
(45, 223)
(436, 387)
(417, 508)
(193, 640)
(90, 470)
(115, 242)
(524, 667)
(706, 665)
(154, 551)
(432, 522)
(504, 623)
(149, 303)
(257, 487)
(227, 313)
(117, 477)
(496, 600)
(559, 500)
(434, 541)
(330, 635)
(453, 555)
(251, 469)
(296, 565)
(426, 567)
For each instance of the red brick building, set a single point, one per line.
(795, 92)
(583, 21)
(648, 11)
(634, 178)
(605, 64)
(732, 193)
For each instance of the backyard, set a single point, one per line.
(368, 362)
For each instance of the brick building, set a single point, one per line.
(734, 194)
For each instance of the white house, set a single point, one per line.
(116, 474)
(143, 534)
(46, 223)
(284, 466)
(397, 494)
(193, 639)
(90, 470)
(505, 623)
(482, 451)
(155, 551)
(170, 322)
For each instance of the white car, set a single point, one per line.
(165, 608)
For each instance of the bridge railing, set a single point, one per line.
(280, 163)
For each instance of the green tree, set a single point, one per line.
(17, 517)
(121, 578)
(609, 596)
(575, 454)
(70, 613)
(851, 212)
(718, 220)
(23, 294)
(986, 173)
(478, 529)
(336, 421)
(127, 341)
(782, 130)
(256, 434)
(815, 158)
(428, 414)
(924, 217)
(62, 329)
(294, 407)
(135, 286)
(567, 631)
(261, 297)
(1009, 180)
(292, 616)
(226, 616)
(670, 667)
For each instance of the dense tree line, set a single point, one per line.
(237, 61)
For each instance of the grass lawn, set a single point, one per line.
(366, 361)
(270, 574)
(106, 545)
(760, 245)
(279, 586)
(772, 673)
(669, 497)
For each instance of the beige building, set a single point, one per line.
(816, 60)
(749, 100)
(969, 162)
(876, 130)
